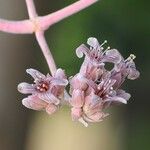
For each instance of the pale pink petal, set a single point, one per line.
(79, 82)
(82, 49)
(49, 98)
(51, 108)
(112, 56)
(76, 113)
(119, 79)
(123, 94)
(133, 73)
(33, 102)
(116, 99)
(61, 82)
(26, 88)
(93, 104)
(91, 100)
(97, 117)
(60, 74)
(35, 74)
(93, 42)
(77, 98)
(120, 97)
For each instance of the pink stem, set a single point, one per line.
(45, 49)
(59, 15)
(17, 27)
(31, 9)
(28, 26)
(39, 33)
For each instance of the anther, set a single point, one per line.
(109, 81)
(103, 43)
(132, 56)
(111, 88)
(101, 48)
(107, 48)
(107, 95)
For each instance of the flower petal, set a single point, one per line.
(76, 113)
(35, 74)
(92, 104)
(79, 82)
(112, 56)
(132, 72)
(116, 99)
(93, 42)
(61, 82)
(123, 94)
(82, 49)
(77, 98)
(26, 88)
(97, 117)
(33, 102)
(60, 74)
(49, 98)
(51, 108)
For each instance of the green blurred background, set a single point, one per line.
(126, 26)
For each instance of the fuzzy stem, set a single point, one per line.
(31, 9)
(28, 26)
(39, 33)
(65, 12)
(16, 27)
(46, 51)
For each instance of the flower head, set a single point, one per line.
(95, 88)
(46, 92)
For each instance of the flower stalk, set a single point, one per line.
(38, 25)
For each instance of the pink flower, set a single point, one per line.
(95, 88)
(125, 68)
(95, 57)
(46, 92)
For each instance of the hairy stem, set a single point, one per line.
(39, 33)
(31, 9)
(16, 27)
(46, 52)
(65, 12)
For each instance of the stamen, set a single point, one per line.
(83, 122)
(109, 81)
(108, 48)
(131, 57)
(42, 87)
(111, 88)
(103, 43)
(107, 95)
(110, 92)
(101, 48)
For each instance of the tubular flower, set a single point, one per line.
(46, 92)
(95, 88)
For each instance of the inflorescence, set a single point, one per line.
(92, 89)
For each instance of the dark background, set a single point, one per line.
(126, 26)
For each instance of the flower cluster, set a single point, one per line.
(92, 90)
(47, 91)
(95, 88)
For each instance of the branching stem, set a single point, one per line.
(39, 25)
